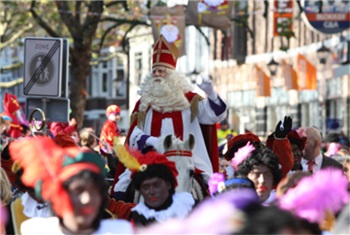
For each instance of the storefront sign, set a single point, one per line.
(282, 17)
(328, 17)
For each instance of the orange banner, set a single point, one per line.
(263, 87)
(283, 15)
(307, 76)
(290, 76)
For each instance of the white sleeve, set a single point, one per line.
(206, 114)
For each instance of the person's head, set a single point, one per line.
(164, 87)
(87, 137)
(5, 187)
(297, 144)
(113, 113)
(313, 143)
(6, 124)
(346, 167)
(224, 125)
(297, 154)
(71, 180)
(223, 163)
(262, 168)
(25, 130)
(270, 220)
(151, 173)
(290, 182)
(156, 184)
(86, 191)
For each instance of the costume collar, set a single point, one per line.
(181, 206)
(34, 209)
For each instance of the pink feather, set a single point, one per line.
(242, 154)
(326, 190)
(213, 182)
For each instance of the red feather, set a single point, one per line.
(41, 159)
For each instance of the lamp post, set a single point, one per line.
(272, 66)
(322, 54)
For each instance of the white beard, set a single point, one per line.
(165, 95)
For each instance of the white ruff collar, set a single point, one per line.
(31, 207)
(182, 204)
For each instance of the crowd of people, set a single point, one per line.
(71, 180)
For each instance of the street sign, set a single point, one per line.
(328, 17)
(55, 109)
(43, 66)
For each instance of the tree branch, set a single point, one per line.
(41, 22)
(15, 36)
(94, 14)
(68, 19)
(77, 11)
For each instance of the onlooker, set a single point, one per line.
(313, 159)
(110, 128)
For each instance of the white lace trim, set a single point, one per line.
(31, 207)
(182, 204)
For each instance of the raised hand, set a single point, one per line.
(283, 128)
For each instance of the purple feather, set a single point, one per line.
(326, 190)
(213, 182)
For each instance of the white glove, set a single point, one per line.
(207, 87)
(153, 141)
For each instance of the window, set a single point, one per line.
(138, 68)
(104, 82)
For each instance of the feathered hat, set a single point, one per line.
(112, 109)
(164, 54)
(239, 141)
(47, 166)
(137, 162)
(317, 195)
(11, 103)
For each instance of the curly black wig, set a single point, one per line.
(261, 155)
(154, 170)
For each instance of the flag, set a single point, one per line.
(290, 76)
(170, 22)
(306, 74)
(263, 87)
(208, 13)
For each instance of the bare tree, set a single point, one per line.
(79, 21)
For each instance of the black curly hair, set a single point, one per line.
(261, 155)
(154, 170)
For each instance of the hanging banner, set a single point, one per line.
(171, 23)
(327, 17)
(306, 74)
(263, 87)
(210, 13)
(290, 76)
(282, 17)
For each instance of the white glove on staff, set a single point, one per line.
(207, 87)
